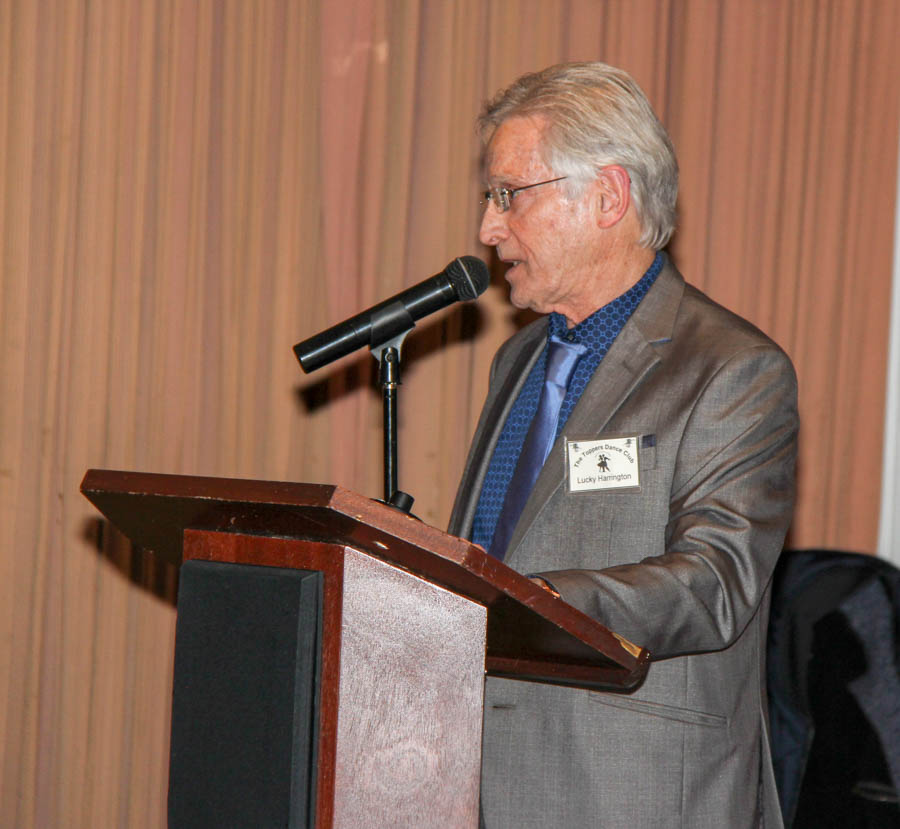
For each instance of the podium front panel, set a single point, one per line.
(412, 694)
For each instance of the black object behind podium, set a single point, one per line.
(330, 651)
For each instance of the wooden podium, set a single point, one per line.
(345, 644)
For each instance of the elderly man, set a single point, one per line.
(636, 455)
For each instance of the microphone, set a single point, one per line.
(464, 278)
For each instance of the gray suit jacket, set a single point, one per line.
(681, 567)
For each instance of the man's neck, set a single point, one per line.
(619, 273)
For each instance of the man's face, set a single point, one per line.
(551, 242)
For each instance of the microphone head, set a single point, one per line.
(469, 277)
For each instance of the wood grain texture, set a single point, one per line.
(412, 690)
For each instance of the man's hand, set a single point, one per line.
(545, 584)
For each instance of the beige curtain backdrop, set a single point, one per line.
(188, 187)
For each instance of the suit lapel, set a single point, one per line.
(632, 356)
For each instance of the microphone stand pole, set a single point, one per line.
(388, 356)
(389, 378)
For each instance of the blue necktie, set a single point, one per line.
(562, 357)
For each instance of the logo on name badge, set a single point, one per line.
(609, 463)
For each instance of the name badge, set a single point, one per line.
(609, 463)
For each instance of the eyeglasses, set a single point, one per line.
(501, 197)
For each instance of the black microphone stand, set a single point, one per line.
(388, 355)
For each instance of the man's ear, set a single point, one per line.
(613, 195)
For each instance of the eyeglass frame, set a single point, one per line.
(501, 197)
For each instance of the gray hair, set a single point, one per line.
(596, 116)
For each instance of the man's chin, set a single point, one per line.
(518, 299)
(517, 294)
(524, 303)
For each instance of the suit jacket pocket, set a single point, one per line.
(658, 709)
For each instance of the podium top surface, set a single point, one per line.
(531, 634)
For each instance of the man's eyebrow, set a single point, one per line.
(506, 183)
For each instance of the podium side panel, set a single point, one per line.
(411, 698)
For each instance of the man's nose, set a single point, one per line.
(493, 226)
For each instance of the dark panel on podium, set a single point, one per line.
(245, 697)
